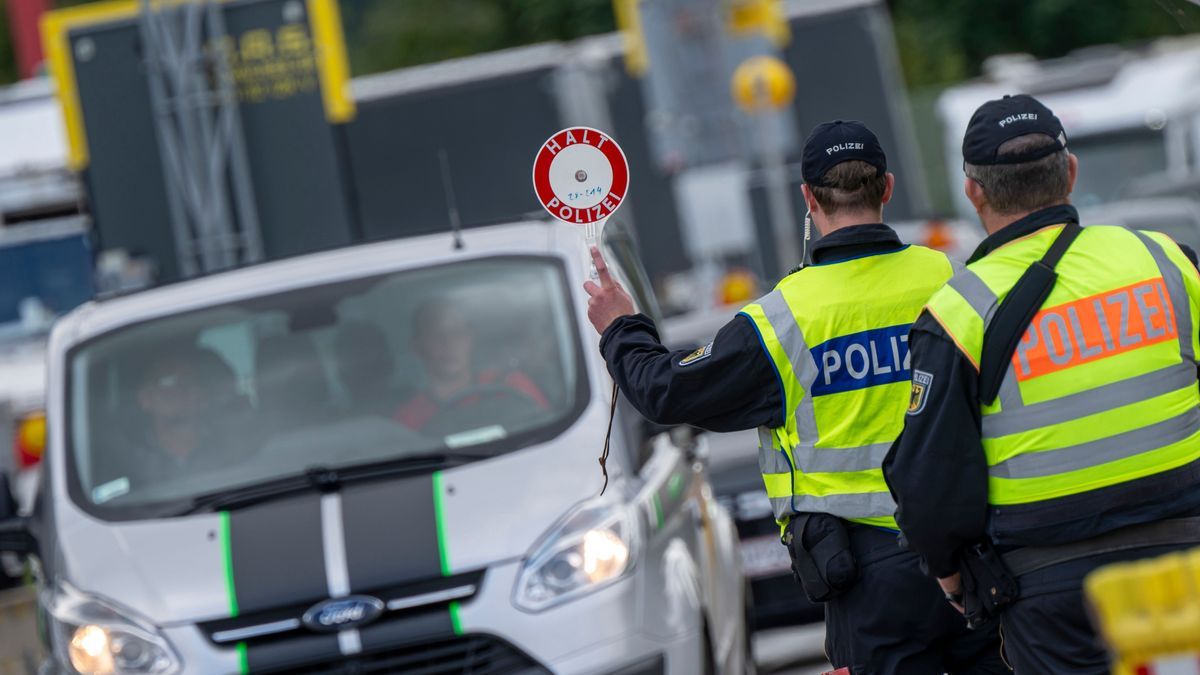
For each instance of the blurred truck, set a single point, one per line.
(45, 271)
(1132, 116)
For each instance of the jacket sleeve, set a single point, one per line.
(726, 385)
(936, 470)
(1189, 253)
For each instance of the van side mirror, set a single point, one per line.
(687, 438)
(683, 436)
(14, 529)
(619, 239)
(652, 429)
(8, 503)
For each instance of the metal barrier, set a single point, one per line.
(20, 649)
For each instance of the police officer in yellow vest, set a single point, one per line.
(820, 365)
(1022, 469)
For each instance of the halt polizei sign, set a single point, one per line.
(580, 176)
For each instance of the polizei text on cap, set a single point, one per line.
(843, 146)
(1016, 118)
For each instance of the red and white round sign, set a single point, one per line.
(580, 175)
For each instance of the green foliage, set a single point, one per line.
(8, 60)
(387, 34)
(941, 42)
(929, 51)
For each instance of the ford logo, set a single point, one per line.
(340, 613)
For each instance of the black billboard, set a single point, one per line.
(279, 66)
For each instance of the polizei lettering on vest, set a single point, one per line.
(861, 360)
(1095, 327)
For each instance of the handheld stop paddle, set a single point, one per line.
(580, 176)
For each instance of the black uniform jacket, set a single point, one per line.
(938, 473)
(731, 383)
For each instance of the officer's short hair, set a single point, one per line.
(852, 185)
(1028, 186)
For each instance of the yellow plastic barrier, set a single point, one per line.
(1148, 613)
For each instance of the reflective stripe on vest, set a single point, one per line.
(1102, 388)
(837, 335)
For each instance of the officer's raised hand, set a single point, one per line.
(609, 301)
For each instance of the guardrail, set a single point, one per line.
(20, 649)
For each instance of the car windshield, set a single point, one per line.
(1110, 163)
(40, 280)
(480, 357)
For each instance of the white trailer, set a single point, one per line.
(1132, 116)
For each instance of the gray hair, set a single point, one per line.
(1028, 186)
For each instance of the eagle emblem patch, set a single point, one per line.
(698, 355)
(921, 382)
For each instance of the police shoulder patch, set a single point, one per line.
(921, 382)
(698, 355)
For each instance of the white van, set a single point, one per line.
(376, 459)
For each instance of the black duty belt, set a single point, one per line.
(1160, 533)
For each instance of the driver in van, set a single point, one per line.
(179, 392)
(444, 341)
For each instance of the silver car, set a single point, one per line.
(377, 459)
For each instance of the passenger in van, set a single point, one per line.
(444, 341)
(366, 369)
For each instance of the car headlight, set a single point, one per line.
(95, 638)
(594, 545)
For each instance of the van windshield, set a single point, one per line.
(479, 357)
(1112, 162)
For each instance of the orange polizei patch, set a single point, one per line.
(1095, 327)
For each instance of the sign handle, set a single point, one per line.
(591, 236)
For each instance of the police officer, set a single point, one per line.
(820, 366)
(1088, 453)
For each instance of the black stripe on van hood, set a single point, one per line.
(275, 554)
(391, 531)
(276, 568)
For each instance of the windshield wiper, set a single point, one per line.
(322, 479)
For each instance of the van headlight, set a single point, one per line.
(591, 547)
(95, 638)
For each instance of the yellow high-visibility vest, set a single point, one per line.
(837, 334)
(1102, 388)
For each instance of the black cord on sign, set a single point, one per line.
(612, 411)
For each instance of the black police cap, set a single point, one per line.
(839, 141)
(1002, 120)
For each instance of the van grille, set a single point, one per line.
(286, 621)
(465, 655)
